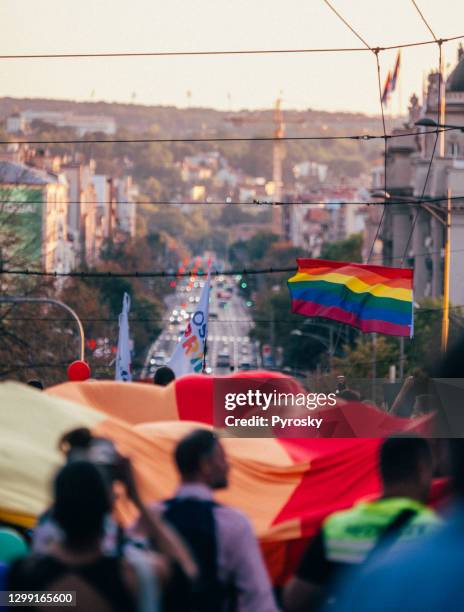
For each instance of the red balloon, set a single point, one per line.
(78, 371)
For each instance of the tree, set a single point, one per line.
(420, 352)
(349, 249)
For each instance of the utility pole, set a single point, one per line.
(374, 364)
(446, 279)
(401, 368)
(442, 105)
(277, 158)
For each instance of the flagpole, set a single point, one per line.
(442, 106)
(446, 280)
(203, 371)
(205, 348)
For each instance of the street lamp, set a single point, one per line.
(321, 339)
(426, 122)
(15, 299)
(446, 222)
(430, 207)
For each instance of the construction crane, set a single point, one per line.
(278, 155)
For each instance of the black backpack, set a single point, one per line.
(194, 520)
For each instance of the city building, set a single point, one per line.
(116, 209)
(413, 235)
(126, 207)
(33, 211)
(83, 223)
(15, 124)
(82, 124)
(327, 219)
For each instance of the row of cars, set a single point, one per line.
(246, 359)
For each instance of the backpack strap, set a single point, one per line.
(392, 533)
(194, 520)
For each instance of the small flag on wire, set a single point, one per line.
(396, 72)
(123, 355)
(387, 88)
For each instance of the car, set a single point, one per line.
(223, 360)
(158, 359)
(245, 366)
(213, 316)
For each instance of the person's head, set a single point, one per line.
(75, 442)
(82, 500)
(37, 384)
(406, 467)
(341, 384)
(163, 376)
(81, 445)
(200, 458)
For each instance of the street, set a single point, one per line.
(228, 345)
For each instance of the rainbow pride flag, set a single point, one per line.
(371, 298)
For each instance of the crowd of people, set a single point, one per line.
(192, 553)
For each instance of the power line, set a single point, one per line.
(116, 54)
(219, 139)
(145, 274)
(427, 25)
(419, 310)
(157, 274)
(358, 36)
(376, 52)
(439, 105)
(384, 158)
(255, 202)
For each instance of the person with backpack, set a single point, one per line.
(350, 539)
(232, 575)
(128, 582)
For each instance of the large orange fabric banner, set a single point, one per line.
(285, 486)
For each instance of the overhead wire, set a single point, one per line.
(255, 202)
(432, 156)
(427, 25)
(116, 54)
(169, 140)
(379, 226)
(376, 53)
(174, 275)
(297, 317)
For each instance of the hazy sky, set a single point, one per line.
(323, 81)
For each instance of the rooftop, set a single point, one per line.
(20, 174)
(455, 80)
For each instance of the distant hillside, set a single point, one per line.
(202, 121)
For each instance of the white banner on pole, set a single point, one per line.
(189, 353)
(123, 356)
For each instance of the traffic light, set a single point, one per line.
(243, 285)
(249, 303)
